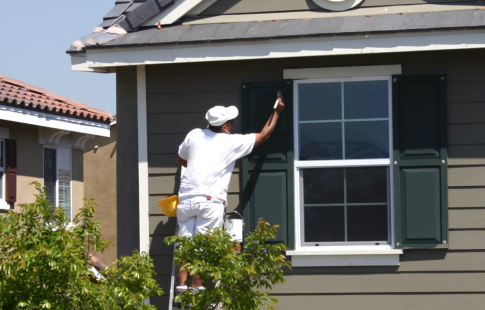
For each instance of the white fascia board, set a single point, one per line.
(53, 121)
(341, 72)
(172, 13)
(78, 63)
(270, 49)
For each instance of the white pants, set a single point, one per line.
(196, 214)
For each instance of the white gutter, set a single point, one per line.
(271, 49)
(53, 121)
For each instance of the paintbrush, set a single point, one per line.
(279, 95)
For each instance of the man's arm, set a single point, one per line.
(265, 133)
(181, 161)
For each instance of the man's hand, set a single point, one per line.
(281, 105)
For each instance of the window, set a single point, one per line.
(342, 161)
(328, 176)
(57, 178)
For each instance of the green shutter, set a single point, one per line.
(267, 173)
(420, 161)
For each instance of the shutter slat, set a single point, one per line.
(420, 161)
(11, 171)
(267, 173)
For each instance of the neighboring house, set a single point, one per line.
(47, 138)
(376, 169)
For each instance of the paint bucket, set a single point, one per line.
(234, 228)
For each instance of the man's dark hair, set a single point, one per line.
(219, 128)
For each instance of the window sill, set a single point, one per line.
(349, 257)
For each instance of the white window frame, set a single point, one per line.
(56, 204)
(4, 205)
(338, 255)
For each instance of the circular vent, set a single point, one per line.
(337, 5)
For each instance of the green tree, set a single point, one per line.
(44, 263)
(235, 277)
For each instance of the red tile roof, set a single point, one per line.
(18, 94)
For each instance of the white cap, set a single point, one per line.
(218, 115)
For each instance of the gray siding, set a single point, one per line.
(127, 161)
(453, 278)
(258, 6)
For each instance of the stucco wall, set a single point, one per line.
(30, 165)
(100, 184)
(29, 159)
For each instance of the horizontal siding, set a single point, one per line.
(467, 219)
(382, 283)
(467, 112)
(466, 133)
(196, 102)
(471, 154)
(466, 176)
(469, 91)
(383, 302)
(467, 240)
(178, 97)
(259, 6)
(466, 197)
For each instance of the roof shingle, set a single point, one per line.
(18, 94)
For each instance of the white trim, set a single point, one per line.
(53, 121)
(341, 72)
(348, 256)
(335, 255)
(268, 49)
(201, 7)
(345, 260)
(172, 13)
(143, 160)
(342, 163)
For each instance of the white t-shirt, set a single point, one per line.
(210, 160)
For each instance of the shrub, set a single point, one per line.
(44, 261)
(235, 278)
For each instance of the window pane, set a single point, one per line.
(366, 99)
(64, 175)
(324, 224)
(323, 186)
(366, 140)
(367, 223)
(50, 174)
(366, 185)
(320, 101)
(320, 141)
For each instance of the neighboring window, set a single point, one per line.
(342, 159)
(57, 178)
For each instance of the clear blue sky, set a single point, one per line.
(34, 36)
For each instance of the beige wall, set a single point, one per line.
(30, 158)
(100, 184)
